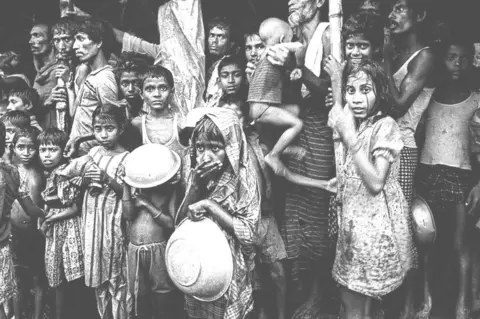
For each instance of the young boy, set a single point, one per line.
(232, 79)
(266, 90)
(9, 183)
(27, 101)
(13, 121)
(151, 215)
(224, 187)
(444, 177)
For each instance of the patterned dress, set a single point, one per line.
(63, 239)
(375, 245)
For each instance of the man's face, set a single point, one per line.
(302, 11)
(254, 48)
(231, 79)
(63, 43)
(85, 49)
(130, 85)
(39, 40)
(219, 42)
(402, 18)
(157, 93)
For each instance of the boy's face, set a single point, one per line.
(219, 42)
(106, 133)
(254, 48)
(63, 42)
(39, 41)
(15, 103)
(360, 95)
(25, 150)
(402, 18)
(157, 93)
(357, 48)
(10, 131)
(458, 61)
(130, 85)
(85, 49)
(231, 79)
(50, 155)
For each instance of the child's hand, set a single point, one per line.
(142, 200)
(296, 74)
(197, 211)
(332, 185)
(329, 98)
(121, 172)
(334, 68)
(343, 121)
(249, 70)
(71, 148)
(96, 175)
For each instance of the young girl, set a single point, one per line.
(375, 245)
(104, 243)
(62, 224)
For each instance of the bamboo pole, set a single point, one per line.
(335, 18)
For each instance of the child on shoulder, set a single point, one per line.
(375, 244)
(150, 210)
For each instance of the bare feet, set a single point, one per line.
(296, 152)
(424, 312)
(276, 165)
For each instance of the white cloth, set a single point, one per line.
(408, 123)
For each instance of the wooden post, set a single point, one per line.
(335, 17)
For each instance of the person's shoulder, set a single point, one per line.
(425, 58)
(10, 171)
(36, 178)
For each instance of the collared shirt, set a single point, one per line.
(98, 88)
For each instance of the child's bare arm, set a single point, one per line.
(28, 205)
(65, 214)
(35, 187)
(158, 215)
(128, 206)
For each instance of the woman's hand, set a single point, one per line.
(204, 169)
(198, 210)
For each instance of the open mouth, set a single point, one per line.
(393, 24)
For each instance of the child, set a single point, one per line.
(104, 250)
(229, 195)
(27, 101)
(150, 214)
(62, 224)
(445, 170)
(28, 244)
(266, 88)
(232, 79)
(9, 183)
(13, 121)
(375, 244)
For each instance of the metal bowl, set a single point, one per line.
(151, 165)
(424, 229)
(199, 260)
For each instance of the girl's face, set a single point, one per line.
(358, 48)
(25, 150)
(231, 79)
(50, 155)
(107, 133)
(458, 61)
(209, 151)
(360, 95)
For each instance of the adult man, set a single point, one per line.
(305, 225)
(46, 66)
(92, 44)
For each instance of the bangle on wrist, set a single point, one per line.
(158, 215)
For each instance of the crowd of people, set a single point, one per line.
(308, 164)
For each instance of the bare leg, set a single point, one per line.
(39, 291)
(18, 302)
(60, 300)
(2, 313)
(354, 304)
(424, 312)
(276, 116)
(408, 310)
(277, 273)
(463, 262)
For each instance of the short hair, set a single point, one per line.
(53, 136)
(28, 132)
(130, 62)
(158, 71)
(27, 95)
(38, 22)
(98, 31)
(229, 60)
(221, 23)
(110, 112)
(367, 24)
(19, 119)
(3, 135)
(65, 25)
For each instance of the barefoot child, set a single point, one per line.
(28, 244)
(266, 88)
(62, 224)
(444, 177)
(374, 247)
(222, 186)
(150, 211)
(9, 183)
